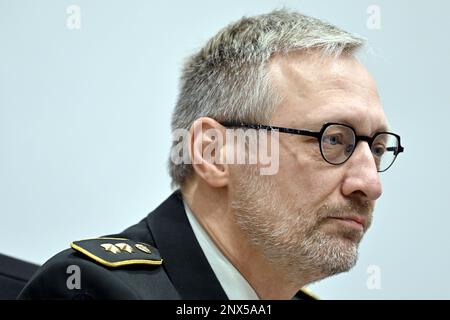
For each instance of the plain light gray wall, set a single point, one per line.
(84, 125)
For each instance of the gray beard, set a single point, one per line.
(290, 240)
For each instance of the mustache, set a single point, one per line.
(359, 208)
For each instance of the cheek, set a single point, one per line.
(307, 178)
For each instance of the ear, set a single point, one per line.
(207, 151)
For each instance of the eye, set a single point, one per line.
(378, 150)
(332, 139)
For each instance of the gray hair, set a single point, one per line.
(228, 78)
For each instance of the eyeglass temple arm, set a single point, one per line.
(396, 150)
(270, 128)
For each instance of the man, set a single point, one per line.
(230, 231)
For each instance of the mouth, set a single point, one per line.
(354, 222)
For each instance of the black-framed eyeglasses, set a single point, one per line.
(338, 141)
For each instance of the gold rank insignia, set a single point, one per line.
(110, 247)
(116, 252)
(124, 247)
(143, 248)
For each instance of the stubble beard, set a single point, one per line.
(295, 241)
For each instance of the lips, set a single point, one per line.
(355, 221)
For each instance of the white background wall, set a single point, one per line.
(84, 125)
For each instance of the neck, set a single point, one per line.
(212, 209)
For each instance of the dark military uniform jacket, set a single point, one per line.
(158, 258)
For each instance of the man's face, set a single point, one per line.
(309, 218)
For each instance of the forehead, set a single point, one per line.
(316, 89)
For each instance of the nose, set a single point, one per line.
(361, 175)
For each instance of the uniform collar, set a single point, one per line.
(184, 260)
(234, 284)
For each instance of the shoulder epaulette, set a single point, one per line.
(117, 252)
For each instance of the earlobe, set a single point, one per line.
(207, 152)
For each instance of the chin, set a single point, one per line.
(344, 258)
(335, 253)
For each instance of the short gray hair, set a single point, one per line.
(228, 78)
